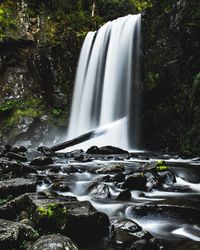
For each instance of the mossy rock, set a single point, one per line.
(161, 166)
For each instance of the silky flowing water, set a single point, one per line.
(165, 226)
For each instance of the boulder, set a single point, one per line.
(124, 195)
(70, 169)
(16, 186)
(14, 169)
(17, 157)
(77, 219)
(119, 177)
(60, 186)
(14, 235)
(135, 182)
(75, 153)
(18, 149)
(41, 161)
(113, 168)
(99, 190)
(126, 231)
(33, 154)
(166, 177)
(180, 209)
(83, 158)
(106, 150)
(46, 150)
(53, 242)
(144, 244)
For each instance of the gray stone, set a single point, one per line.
(53, 242)
(13, 234)
(16, 186)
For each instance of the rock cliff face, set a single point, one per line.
(39, 48)
(171, 69)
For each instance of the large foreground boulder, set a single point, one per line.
(14, 235)
(53, 242)
(77, 219)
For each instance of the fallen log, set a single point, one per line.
(79, 139)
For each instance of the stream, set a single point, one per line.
(167, 212)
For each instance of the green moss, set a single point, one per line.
(161, 166)
(57, 212)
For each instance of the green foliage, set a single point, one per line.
(142, 4)
(21, 107)
(197, 80)
(152, 78)
(111, 9)
(7, 18)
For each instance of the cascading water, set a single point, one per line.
(106, 86)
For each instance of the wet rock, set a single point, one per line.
(55, 169)
(18, 149)
(113, 168)
(185, 211)
(126, 231)
(106, 178)
(2, 151)
(70, 169)
(45, 150)
(124, 195)
(143, 244)
(13, 234)
(166, 177)
(83, 158)
(192, 245)
(106, 150)
(148, 166)
(99, 190)
(8, 147)
(33, 154)
(60, 187)
(77, 219)
(14, 169)
(16, 186)
(53, 242)
(135, 182)
(76, 153)
(23, 215)
(41, 161)
(17, 157)
(152, 180)
(119, 177)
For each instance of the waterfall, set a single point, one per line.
(106, 85)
